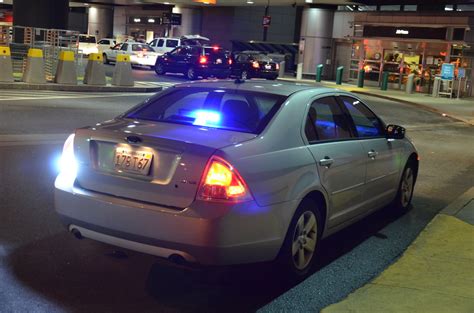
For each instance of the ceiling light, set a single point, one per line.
(250, 2)
(166, 3)
(308, 1)
(151, 20)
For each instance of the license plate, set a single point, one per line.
(219, 61)
(268, 67)
(133, 161)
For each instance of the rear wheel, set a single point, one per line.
(273, 77)
(297, 254)
(191, 74)
(405, 189)
(159, 69)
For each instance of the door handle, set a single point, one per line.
(372, 154)
(327, 162)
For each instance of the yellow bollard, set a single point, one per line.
(34, 73)
(123, 71)
(66, 71)
(6, 69)
(95, 72)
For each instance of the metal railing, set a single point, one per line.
(52, 41)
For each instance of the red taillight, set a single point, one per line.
(203, 59)
(255, 64)
(215, 48)
(230, 61)
(222, 182)
(277, 66)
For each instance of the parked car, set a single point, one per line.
(105, 44)
(87, 44)
(254, 64)
(195, 61)
(224, 172)
(168, 44)
(140, 54)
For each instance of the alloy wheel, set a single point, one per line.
(406, 188)
(304, 240)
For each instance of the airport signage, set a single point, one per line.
(171, 18)
(447, 71)
(405, 32)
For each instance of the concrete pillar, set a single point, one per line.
(120, 21)
(101, 19)
(41, 13)
(190, 22)
(316, 40)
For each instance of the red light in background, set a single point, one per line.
(203, 59)
(255, 64)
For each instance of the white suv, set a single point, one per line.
(162, 45)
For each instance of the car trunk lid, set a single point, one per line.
(177, 156)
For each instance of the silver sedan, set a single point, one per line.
(230, 172)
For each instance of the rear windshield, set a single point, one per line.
(261, 57)
(241, 111)
(214, 51)
(141, 47)
(87, 39)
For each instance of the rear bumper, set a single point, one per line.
(210, 71)
(206, 233)
(264, 74)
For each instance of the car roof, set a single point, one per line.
(273, 87)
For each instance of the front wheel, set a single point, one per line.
(297, 254)
(404, 195)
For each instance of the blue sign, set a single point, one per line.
(447, 71)
(461, 72)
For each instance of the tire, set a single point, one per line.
(297, 254)
(106, 60)
(159, 69)
(272, 78)
(191, 74)
(406, 186)
(244, 75)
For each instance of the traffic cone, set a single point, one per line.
(95, 72)
(123, 71)
(34, 72)
(66, 71)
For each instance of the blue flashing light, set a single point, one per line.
(206, 118)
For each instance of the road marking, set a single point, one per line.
(32, 139)
(40, 95)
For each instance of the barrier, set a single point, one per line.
(299, 71)
(410, 82)
(361, 78)
(281, 71)
(66, 71)
(339, 72)
(95, 72)
(34, 72)
(319, 72)
(6, 68)
(123, 71)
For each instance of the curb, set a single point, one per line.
(77, 88)
(419, 105)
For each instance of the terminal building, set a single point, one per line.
(376, 37)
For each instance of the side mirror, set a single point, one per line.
(395, 132)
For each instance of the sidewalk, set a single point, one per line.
(435, 274)
(462, 109)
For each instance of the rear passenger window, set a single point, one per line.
(365, 122)
(326, 121)
(160, 43)
(171, 43)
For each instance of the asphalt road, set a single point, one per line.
(44, 269)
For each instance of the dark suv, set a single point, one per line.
(195, 61)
